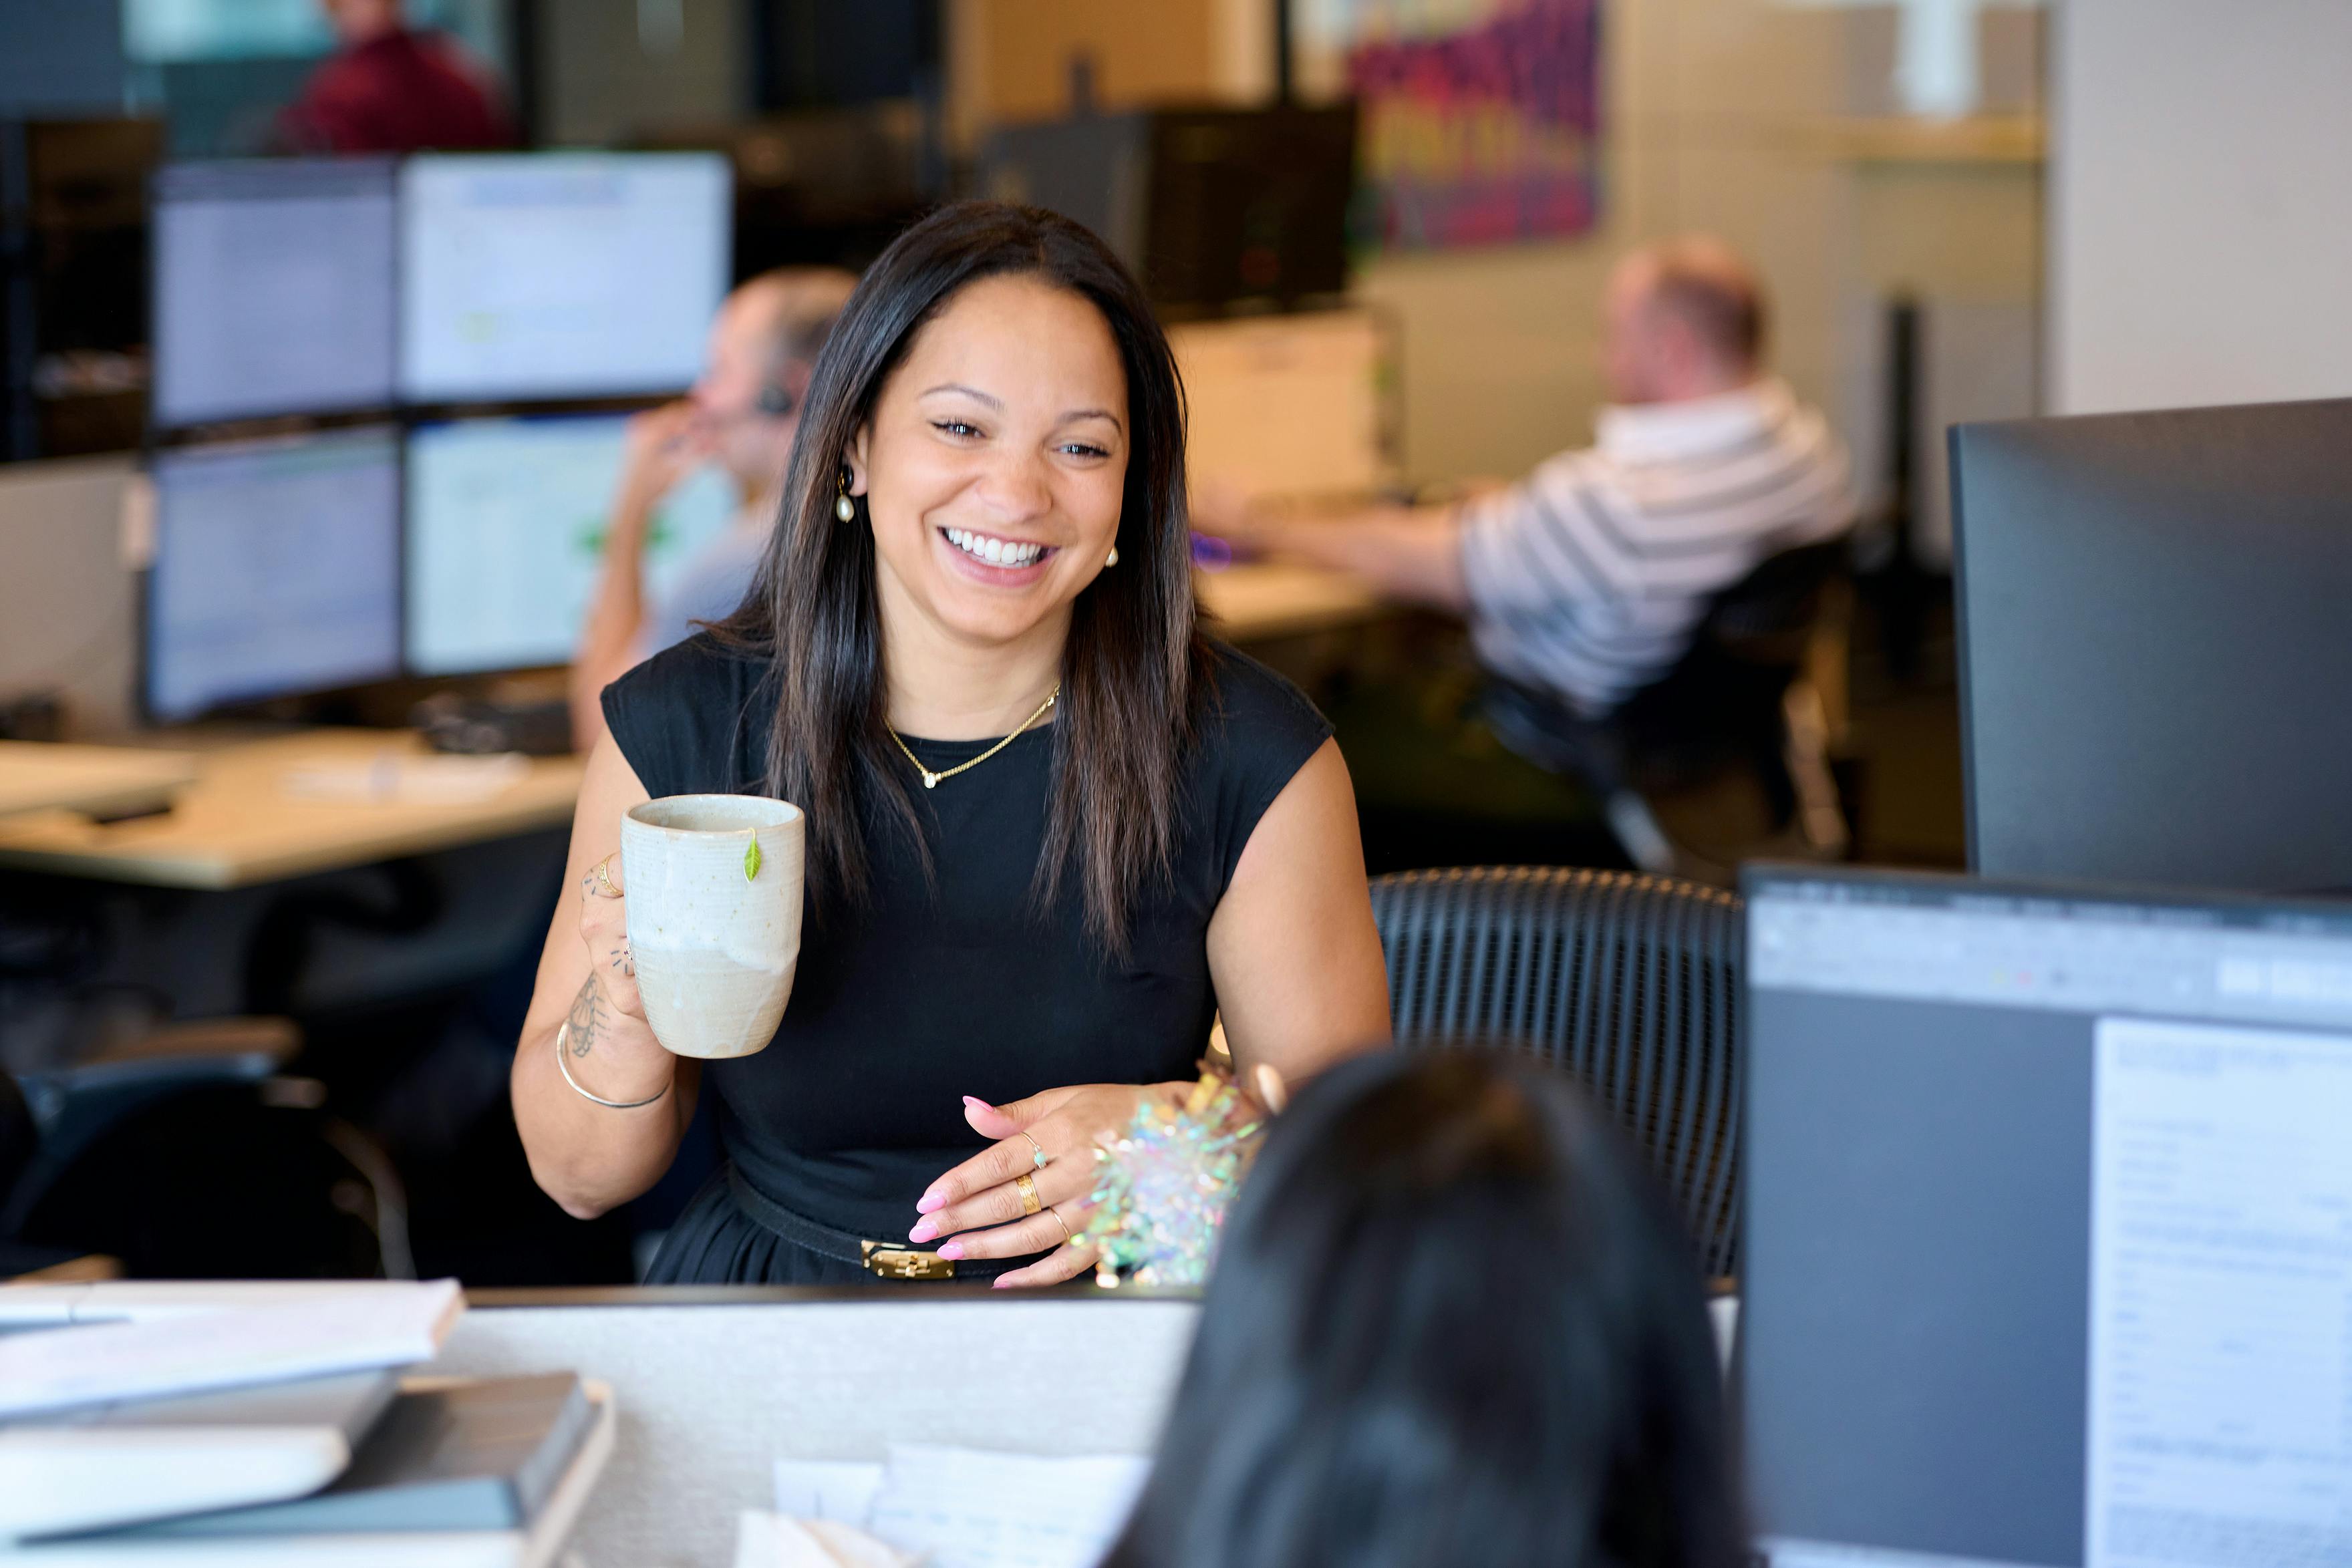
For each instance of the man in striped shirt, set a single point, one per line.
(1588, 577)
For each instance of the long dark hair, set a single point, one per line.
(1451, 1321)
(1135, 659)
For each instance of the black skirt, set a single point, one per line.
(714, 1242)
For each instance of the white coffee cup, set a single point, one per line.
(714, 924)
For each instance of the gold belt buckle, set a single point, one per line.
(903, 1262)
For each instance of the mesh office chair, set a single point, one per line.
(1630, 982)
(1761, 688)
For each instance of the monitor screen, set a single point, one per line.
(2048, 1255)
(560, 275)
(2154, 645)
(506, 534)
(273, 288)
(277, 569)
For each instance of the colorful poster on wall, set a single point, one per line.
(1481, 118)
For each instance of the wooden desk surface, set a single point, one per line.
(1268, 599)
(267, 809)
(36, 777)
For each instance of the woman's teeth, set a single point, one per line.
(995, 552)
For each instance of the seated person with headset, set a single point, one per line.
(741, 414)
(1589, 579)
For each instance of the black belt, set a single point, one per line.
(886, 1259)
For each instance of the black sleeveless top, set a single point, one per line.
(962, 985)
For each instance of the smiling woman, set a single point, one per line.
(1053, 831)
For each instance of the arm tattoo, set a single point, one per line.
(586, 1018)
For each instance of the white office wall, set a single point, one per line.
(2201, 202)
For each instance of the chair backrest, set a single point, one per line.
(1630, 982)
(1766, 616)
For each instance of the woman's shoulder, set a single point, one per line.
(1247, 705)
(685, 718)
(1247, 694)
(1253, 732)
(700, 668)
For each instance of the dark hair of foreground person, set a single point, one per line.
(1454, 1322)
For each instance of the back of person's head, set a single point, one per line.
(1452, 1323)
(357, 21)
(763, 351)
(1686, 317)
(794, 308)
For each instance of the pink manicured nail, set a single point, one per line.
(930, 1200)
(952, 1251)
(924, 1230)
(1001, 1282)
(972, 1104)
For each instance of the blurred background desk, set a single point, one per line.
(100, 779)
(1265, 601)
(390, 942)
(264, 810)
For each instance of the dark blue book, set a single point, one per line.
(480, 1455)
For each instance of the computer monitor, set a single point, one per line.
(2048, 1246)
(273, 288)
(560, 275)
(276, 570)
(1209, 207)
(506, 533)
(2154, 648)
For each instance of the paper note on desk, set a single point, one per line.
(967, 1507)
(765, 1540)
(838, 1490)
(393, 779)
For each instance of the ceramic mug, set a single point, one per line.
(713, 885)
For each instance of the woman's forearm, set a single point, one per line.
(1412, 554)
(589, 1157)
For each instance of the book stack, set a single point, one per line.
(284, 1431)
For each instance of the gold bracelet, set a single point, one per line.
(564, 1067)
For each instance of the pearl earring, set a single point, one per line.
(1113, 560)
(843, 506)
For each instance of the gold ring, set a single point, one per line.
(1026, 1185)
(1068, 1236)
(1037, 1153)
(603, 878)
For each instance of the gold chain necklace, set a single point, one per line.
(931, 779)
